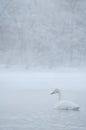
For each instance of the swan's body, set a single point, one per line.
(64, 105)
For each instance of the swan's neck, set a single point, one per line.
(59, 96)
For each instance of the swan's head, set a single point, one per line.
(56, 91)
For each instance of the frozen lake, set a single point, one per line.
(30, 107)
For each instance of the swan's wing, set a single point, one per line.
(67, 105)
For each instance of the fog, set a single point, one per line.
(42, 43)
(42, 53)
(64, 80)
(46, 33)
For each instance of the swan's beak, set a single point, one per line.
(52, 93)
(55, 91)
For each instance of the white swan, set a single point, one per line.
(64, 105)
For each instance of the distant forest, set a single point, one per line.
(46, 33)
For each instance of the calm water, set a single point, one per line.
(24, 109)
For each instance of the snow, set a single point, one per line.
(44, 33)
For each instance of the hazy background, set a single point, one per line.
(43, 43)
(42, 47)
(43, 33)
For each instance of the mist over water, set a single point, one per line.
(33, 109)
(43, 80)
(42, 47)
